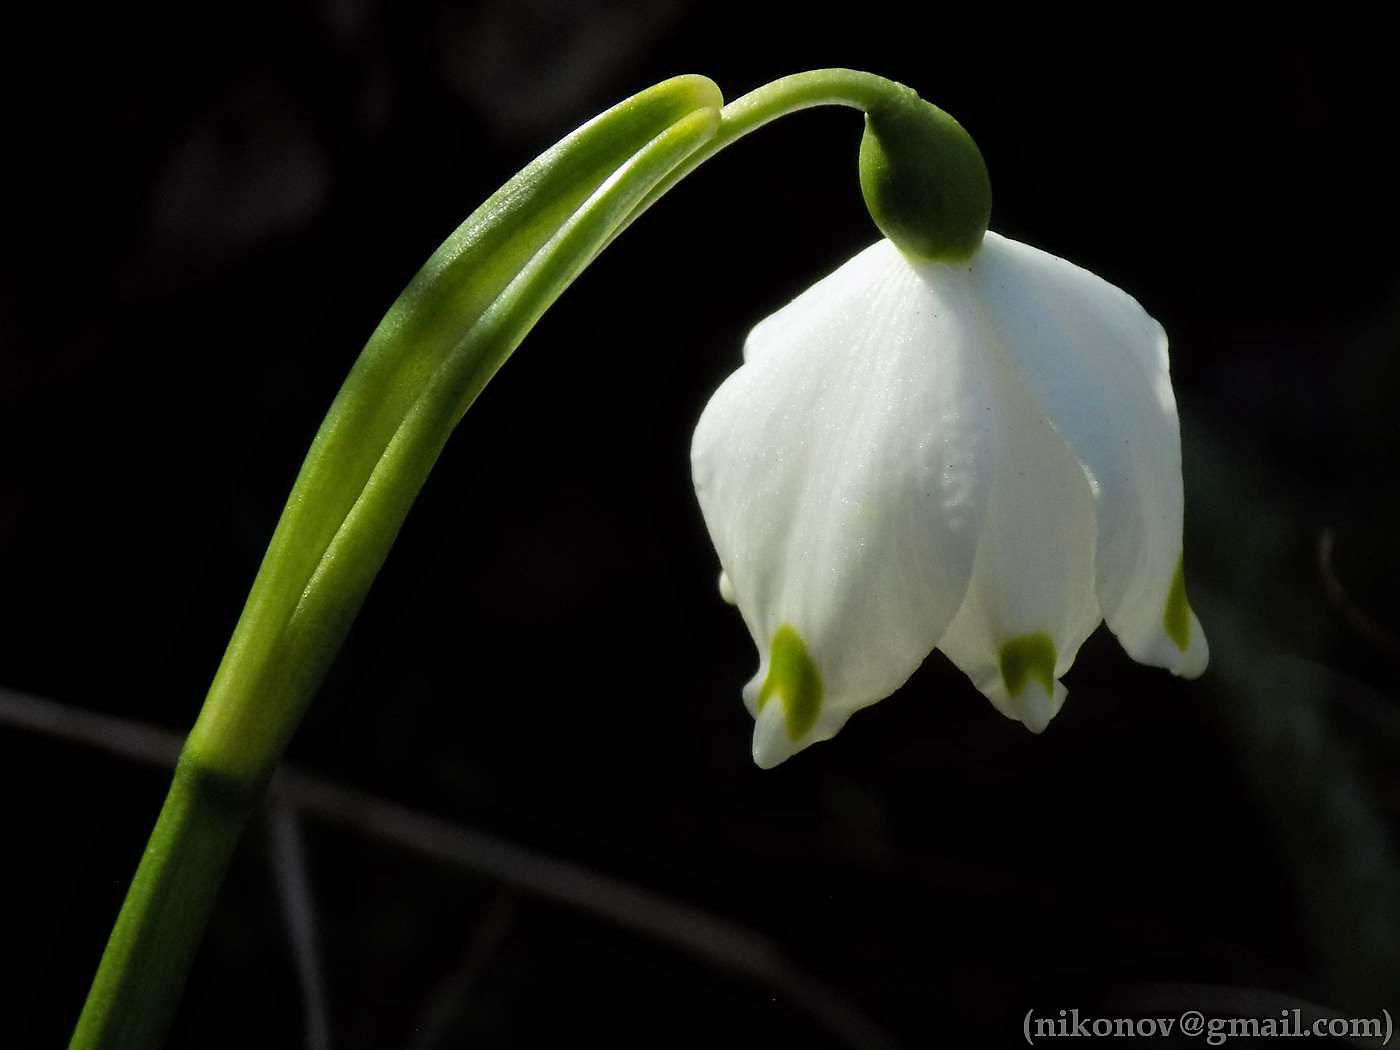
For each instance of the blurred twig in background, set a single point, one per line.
(448, 1001)
(287, 850)
(1357, 618)
(718, 941)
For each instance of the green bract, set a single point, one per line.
(440, 343)
(924, 179)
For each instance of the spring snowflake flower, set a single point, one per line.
(980, 456)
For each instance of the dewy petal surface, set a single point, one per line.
(1096, 365)
(841, 473)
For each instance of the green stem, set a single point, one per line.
(438, 346)
(165, 911)
(816, 87)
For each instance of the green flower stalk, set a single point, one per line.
(440, 343)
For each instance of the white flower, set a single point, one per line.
(980, 456)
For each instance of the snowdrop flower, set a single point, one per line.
(980, 455)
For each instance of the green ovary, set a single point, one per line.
(794, 677)
(1029, 657)
(1176, 617)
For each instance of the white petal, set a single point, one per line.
(840, 475)
(1031, 603)
(1096, 364)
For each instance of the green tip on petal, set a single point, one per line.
(1031, 657)
(924, 180)
(794, 677)
(1176, 617)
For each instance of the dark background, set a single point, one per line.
(208, 210)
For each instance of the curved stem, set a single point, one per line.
(165, 911)
(438, 346)
(817, 87)
(263, 687)
(503, 267)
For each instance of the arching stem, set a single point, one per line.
(440, 343)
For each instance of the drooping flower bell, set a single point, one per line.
(978, 453)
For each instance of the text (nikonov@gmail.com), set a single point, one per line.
(1212, 1030)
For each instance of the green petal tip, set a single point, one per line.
(1176, 617)
(794, 677)
(1030, 657)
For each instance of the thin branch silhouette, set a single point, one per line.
(287, 857)
(449, 999)
(726, 945)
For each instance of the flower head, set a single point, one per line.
(980, 456)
